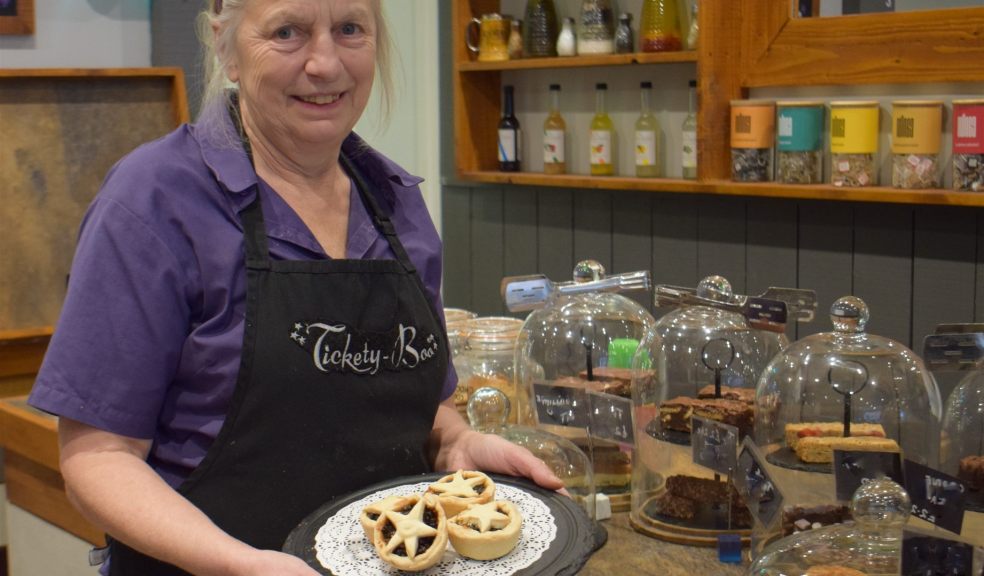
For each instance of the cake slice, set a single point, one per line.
(794, 432)
(971, 472)
(820, 449)
(675, 414)
(746, 395)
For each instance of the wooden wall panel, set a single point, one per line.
(721, 240)
(675, 221)
(825, 257)
(632, 242)
(555, 239)
(519, 231)
(487, 250)
(456, 236)
(883, 267)
(770, 248)
(593, 227)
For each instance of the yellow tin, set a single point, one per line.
(854, 127)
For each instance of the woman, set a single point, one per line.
(253, 323)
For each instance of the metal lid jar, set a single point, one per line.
(486, 358)
(706, 358)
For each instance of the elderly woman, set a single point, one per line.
(253, 324)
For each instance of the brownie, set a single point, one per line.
(824, 514)
(971, 472)
(617, 381)
(675, 413)
(746, 395)
(675, 506)
(702, 489)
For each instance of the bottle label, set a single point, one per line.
(968, 128)
(508, 145)
(854, 130)
(601, 147)
(752, 126)
(799, 128)
(917, 129)
(689, 143)
(553, 146)
(645, 148)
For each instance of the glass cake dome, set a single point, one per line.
(581, 335)
(962, 437)
(868, 546)
(707, 358)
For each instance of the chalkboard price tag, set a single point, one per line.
(936, 497)
(611, 417)
(766, 314)
(715, 445)
(924, 555)
(755, 485)
(854, 468)
(561, 405)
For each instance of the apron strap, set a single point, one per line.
(254, 234)
(383, 223)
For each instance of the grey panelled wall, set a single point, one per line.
(915, 266)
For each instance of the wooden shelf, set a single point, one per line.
(581, 61)
(728, 188)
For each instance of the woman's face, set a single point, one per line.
(304, 68)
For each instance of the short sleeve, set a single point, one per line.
(118, 340)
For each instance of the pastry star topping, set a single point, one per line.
(483, 517)
(458, 486)
(410, 527)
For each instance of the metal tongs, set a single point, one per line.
(770, 310)
(524, 293)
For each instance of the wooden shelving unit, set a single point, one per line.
(769, 48)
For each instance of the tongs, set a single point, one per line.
(524, 293)
(770, 310)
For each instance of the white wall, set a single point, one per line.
(82, 34)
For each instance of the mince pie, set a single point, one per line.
(485, 531)
(462, 489)
(373, 511)
(412, 535)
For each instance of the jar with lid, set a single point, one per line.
(841, 390)
(583, 337)
(917, 132)
(596, 28)
(455, 320)
(752, 137)
(486, 358)
(706, 359)
(968, 145)
(854, 143)
(799, 142)
(659, 26)
(540, 29)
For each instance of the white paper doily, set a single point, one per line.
(342, 547)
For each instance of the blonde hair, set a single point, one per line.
(226, 15)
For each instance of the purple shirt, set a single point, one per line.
(149, 339)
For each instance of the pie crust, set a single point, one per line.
(485, 531)
(413, 534)
(372, 512)
(462, 489)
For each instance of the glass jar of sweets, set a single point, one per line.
(486, 360)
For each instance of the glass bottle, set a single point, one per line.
(688, 136)
(509, 135)
(554, 136)
(540, 31)
(596, 29)
(694, 35)
(602, 138)
(566, 43)
(624, 41)
(659, 27)
(646, 137)
(516, 40)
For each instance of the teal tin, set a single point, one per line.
(799, 126)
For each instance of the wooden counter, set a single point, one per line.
(629, 552)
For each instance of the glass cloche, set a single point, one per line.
(707, 358)
(842, 390)
(580, 335)
(868, 546)
(962, 440)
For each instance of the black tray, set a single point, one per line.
(786, 457)
(577, 535)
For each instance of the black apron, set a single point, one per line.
(342, 368)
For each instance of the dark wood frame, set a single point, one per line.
(22, 23)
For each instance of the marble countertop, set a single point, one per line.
(629, 552)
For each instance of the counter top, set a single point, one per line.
(629, 552)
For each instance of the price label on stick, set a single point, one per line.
(715, 445)
(561, 405)
(611, 417)
(755, 485)
(936, 497)
(854, 468)
(924, 555)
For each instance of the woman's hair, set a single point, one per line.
(228, 14)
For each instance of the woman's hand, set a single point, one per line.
(458, 447)
(270, 562)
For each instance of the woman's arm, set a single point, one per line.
(109, 482)
(456, 446)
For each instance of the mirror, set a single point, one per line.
(806, 8)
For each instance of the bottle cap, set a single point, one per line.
(555, 86)
(692, 83)
(601, 86)
(646, 84)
